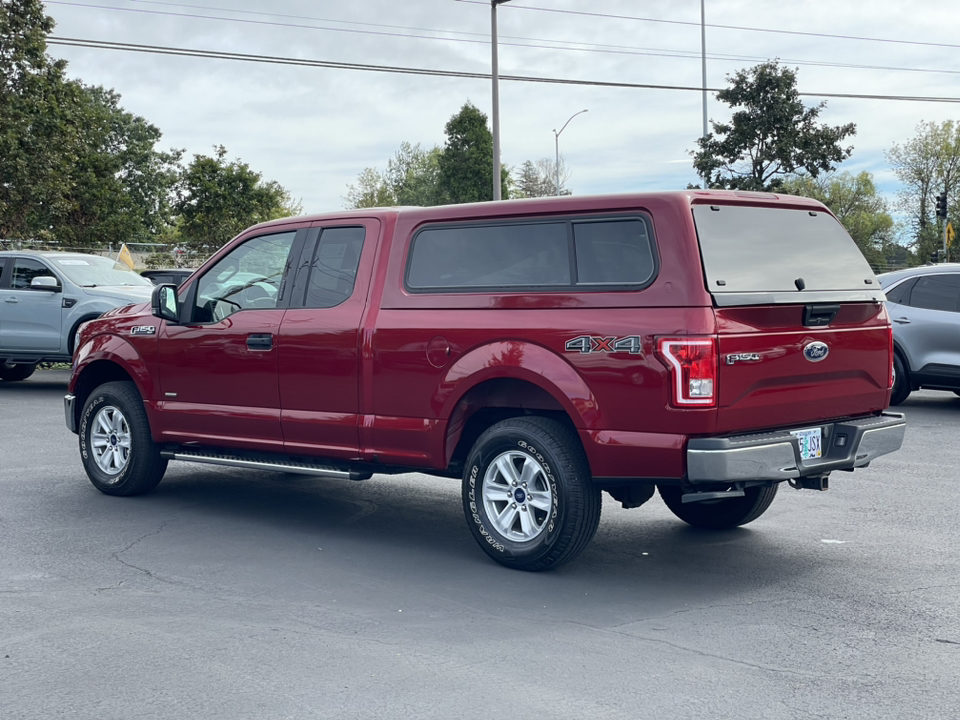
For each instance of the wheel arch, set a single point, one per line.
(93, 376)
(71, 337)
(508, 379)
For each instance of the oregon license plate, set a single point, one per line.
(810, 443)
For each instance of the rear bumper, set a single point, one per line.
(776, 455)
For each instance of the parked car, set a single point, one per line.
(174, 276)
(709, 345)
(46, 296)
(924, 305)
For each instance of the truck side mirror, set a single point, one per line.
(45, 282)
(164, 303)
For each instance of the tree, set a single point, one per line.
(771, 136)
(466, 161)
(927, 165)
(854, 200)
(217, 199)
(31, 93)
(74, 166)
(120, 187)
(539, 179)
(411, 178)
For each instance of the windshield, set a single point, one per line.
(94, 271)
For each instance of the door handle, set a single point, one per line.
(11, 300)
(902, 321)
(262, 342)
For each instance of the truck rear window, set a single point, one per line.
(773, 250)
(546, 255)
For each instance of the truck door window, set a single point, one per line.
(247, 278)
(937, 292)
(333, 266)
(26, 269)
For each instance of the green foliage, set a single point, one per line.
(160, 261)
(466, 161)
(927, 165)
(74, 166)
(410, 179)
(539, 179)
(770, 136)
(458, 172)
(217, 199)
(855, 202)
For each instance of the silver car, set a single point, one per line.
(924, 307)
(46, 296)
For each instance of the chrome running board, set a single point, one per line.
(291, 466)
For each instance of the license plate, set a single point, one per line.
(810, 446)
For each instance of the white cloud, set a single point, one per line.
(313, 130)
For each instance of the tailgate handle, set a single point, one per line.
(819, 315)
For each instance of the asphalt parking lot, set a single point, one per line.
(242, 594)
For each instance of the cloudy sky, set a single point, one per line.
(313, 129)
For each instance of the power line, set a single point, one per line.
(558, 44)
(720, 27)
(398, 69)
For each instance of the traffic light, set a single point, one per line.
(942, 205)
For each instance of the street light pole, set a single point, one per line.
(496, 97)
(556, 139)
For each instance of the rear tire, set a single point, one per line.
(719, 514)
(901, 381)
(11, 372)
(116, 448)
(528, 496)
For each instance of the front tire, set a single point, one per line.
(528, 496)
(901, 381)
(719, 514)
(12, 372)
(116, 448)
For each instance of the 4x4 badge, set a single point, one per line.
(586, 344)
(816, 351)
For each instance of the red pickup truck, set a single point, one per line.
(711, 345)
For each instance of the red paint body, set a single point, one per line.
(393, 378)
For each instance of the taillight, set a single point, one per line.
(693, 370)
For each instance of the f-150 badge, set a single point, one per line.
(143, 330)
(586, 344)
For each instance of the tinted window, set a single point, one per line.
(491, 256)
(752, 249)
(901, 292)
(248, 278)
(547, 255)
(26, 269)
(2, 264)
(333, 266)
(937, 292)
(613, 253)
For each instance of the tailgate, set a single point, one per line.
(803, 333)
(776, 372)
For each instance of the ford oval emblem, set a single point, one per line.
(816, 351)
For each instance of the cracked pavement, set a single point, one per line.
(241, 594)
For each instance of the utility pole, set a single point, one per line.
(495, 121)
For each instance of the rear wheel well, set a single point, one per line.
(490, 402)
